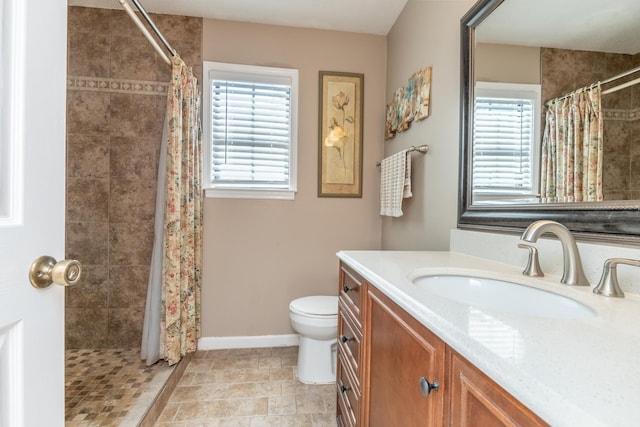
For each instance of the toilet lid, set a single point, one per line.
(316, 305)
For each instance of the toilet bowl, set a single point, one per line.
(315, 319)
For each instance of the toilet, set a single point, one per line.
(315, 319)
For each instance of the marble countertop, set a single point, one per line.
(571, 372)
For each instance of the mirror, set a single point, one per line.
(509, 43)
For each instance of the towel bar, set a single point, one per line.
(423, 149)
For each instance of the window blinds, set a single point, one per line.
(251, 134)
(503, 146)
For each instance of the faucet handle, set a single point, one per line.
(533, 265)
(608, 285)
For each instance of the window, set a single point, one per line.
(506, 140)
(250, 131)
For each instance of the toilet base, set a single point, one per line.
(316, 361)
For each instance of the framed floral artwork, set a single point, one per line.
(340, 134)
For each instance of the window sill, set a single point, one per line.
(220, 193)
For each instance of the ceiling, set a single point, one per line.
(613, 25)
(360, 16)
(593, 25)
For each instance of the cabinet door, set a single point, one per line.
(475, 400)
(401, 352)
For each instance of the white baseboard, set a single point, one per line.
(217, 343)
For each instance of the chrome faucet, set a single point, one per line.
(608, 285)
(573, 274)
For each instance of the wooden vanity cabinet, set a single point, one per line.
(349, 369)
(475, 400)
(402, 353)
(353, 289)
(384, 354)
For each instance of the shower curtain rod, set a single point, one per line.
(623, 85)
(609, 80)
(146, 32)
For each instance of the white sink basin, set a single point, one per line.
(503, 296)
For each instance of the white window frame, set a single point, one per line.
(250, 73)
(515, 91)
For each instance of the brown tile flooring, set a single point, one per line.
(109, 387)
(248, 387)
(241, 387)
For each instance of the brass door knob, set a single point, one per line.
(45, 270)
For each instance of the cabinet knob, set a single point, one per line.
(344, 388)
(347, 289)
(426, 387)
(345, 339)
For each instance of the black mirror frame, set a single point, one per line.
(589, 221)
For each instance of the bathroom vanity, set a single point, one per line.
(411, 356)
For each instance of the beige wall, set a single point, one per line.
(507, 64)
(261, 254)
(427, 33)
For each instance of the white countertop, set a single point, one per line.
(571, 372)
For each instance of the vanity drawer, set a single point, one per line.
(348, 395)
(352, 292)
(349, 342)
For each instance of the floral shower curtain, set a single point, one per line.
(572, 148)
(182, 260)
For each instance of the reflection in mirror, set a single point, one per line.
(525, 66)
(506, 139)
(513, 47)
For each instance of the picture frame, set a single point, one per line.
(340, 132)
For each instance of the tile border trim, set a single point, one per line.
(622, 114)
(103, 84)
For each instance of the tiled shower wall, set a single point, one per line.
(116, 102)
(564, 71)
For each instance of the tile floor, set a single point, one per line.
(109, 387)
(248, 387)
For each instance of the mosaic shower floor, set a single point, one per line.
(110, 387)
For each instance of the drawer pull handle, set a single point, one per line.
(345, 339)
(347, 289)
(426, 387)
(344, 388)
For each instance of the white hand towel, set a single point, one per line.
(395, 183)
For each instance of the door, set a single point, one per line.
(475, 400)
(405, 362)
(32, 170)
